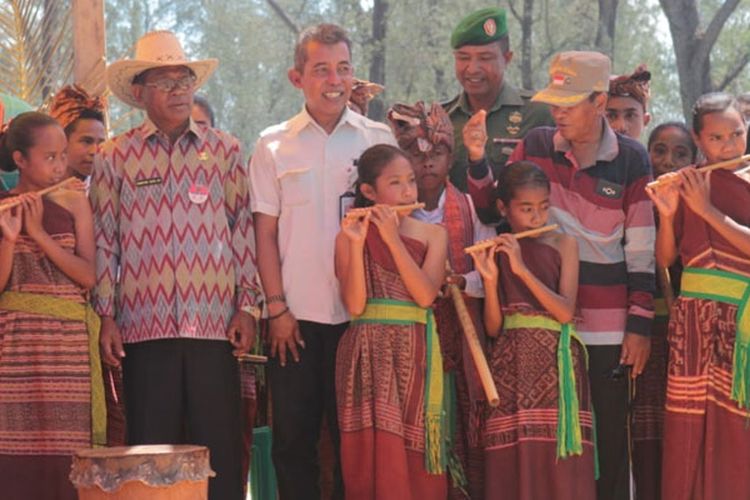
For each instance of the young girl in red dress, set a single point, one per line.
(389, 371)
(705, 222)
(539, 440)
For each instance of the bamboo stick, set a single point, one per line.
(661, 181)
(15, 201)
(475, 348)
(361, 212)
(523, 234)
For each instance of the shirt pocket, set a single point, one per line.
(296, 186)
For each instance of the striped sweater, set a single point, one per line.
(606, 208)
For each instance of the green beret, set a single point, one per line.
(480, 28)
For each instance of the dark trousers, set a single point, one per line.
(187, 391)
(610, 398)
(302, 393)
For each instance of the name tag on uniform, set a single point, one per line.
(148, 182)
(608, 189)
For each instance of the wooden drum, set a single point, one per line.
(154, 472)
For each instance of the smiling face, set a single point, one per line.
(627, 116)
(528, 209)
(83, 143)
(168, 110)
(480, 70)
(326, 81)
(723, 135)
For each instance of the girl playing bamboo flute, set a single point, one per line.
(389, 373)
(705, 221)
(51, 394)
(538, 441)
(426, 135)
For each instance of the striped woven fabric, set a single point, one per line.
(45, 387)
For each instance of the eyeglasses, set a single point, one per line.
(169, 85)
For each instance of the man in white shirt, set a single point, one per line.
(302, 177)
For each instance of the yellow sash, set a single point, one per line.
(58, 308)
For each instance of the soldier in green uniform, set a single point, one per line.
(481, 50)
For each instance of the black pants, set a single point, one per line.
(610, 399)
(187, 391)
(302, 393)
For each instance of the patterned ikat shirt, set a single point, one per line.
(174, 237)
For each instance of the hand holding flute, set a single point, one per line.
(70, 182)
(495, 241)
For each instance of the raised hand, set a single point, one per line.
(509, 244)
(666, 196)
(355, 228)
(485, 264)
(10, 223)
(387, 221)
(475, 135)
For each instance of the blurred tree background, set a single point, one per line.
(690, 46)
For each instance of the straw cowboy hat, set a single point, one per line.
(157, 49)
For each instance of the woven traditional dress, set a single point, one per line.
(706, 432)
(45, 387)
(521, 434)
(382, 368)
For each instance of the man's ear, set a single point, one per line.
(646, 119)
(500, 206)
(295, 77)
(137, 92)
(508, 57)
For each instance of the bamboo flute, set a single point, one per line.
(253, 358)
(661, 181)
(475, 348)
(523, 234)
(15, 201)
(361, 212)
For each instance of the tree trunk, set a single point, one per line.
(605, 29)
(693, 45)
(527, 22)
(377, 63)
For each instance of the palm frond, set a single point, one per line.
(36, 48)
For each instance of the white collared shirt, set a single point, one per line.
(298, 172)
(474, 287)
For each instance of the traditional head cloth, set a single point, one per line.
(419, 131)
(636, 86)
(72, 100)
(362, 93)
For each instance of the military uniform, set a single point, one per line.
(508, 121)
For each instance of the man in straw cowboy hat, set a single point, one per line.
(598, 195)
(174, 255)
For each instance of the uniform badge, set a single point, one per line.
(490, 28)
(203, 156)
(608, 189)
(515, 117)
(152, 181)
(513, 129)
(198, 193)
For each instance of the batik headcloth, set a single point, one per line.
(70, 101)
(418, 130)
(636, 86)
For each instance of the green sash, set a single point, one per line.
(54, 307)
(398, 312)
(569, 441)
(730, 288)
